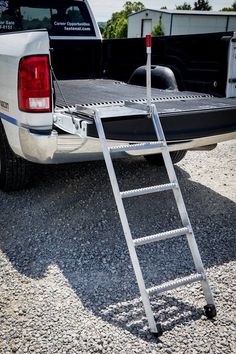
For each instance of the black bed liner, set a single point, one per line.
(184, 115)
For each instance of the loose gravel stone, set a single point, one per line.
(66, 282)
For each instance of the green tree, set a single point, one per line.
(130, 7)
(202, 5)
(117, 26)
(185, 6)
(232, 8)
(101, 26)
(158, 28)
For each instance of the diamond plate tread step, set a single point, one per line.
(175, 284)
(161, 236)
(148, 190)
(133, 147)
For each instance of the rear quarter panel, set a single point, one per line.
(14, 46)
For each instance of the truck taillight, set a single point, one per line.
(34, 84)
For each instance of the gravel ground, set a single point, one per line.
(66, 281)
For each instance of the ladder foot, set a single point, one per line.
(210, 311)
(159, 330)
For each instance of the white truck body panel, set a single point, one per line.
(17, 124)
(12, 48)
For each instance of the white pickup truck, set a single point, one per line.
(52, 58)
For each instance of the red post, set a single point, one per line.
(148, 41)
(148, 69)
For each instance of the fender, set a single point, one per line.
(162, 77)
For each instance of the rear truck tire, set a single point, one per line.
(157, 159)
(15, 172)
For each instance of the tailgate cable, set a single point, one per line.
(62, 95)
(77, 125)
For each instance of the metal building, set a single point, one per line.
(180, 22)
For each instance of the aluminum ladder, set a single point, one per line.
(150, 112)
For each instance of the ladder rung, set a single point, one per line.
(161, 236)
(148, 190)
(175, 284)
(141, 146)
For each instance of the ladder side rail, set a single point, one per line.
(125, 224)
(182, 208)
(170, 169)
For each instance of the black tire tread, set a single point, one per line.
(15, 172)
(157, 159)
(177, 156)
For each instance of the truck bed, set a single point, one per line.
(184, 115)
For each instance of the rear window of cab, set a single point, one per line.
(60, 17)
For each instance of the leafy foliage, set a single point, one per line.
(232, 8)
(202, 5)
(117, 26)
(130, 7)
(101, 26)
(185, 6)
(158, 28)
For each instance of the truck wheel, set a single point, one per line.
(15, 172)
(157, 159)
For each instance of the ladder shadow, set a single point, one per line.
(68, 226)
(130, 315)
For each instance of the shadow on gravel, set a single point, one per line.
(69, 219)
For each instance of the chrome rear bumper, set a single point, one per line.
(56, 148)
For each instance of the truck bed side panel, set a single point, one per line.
(14, 46)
